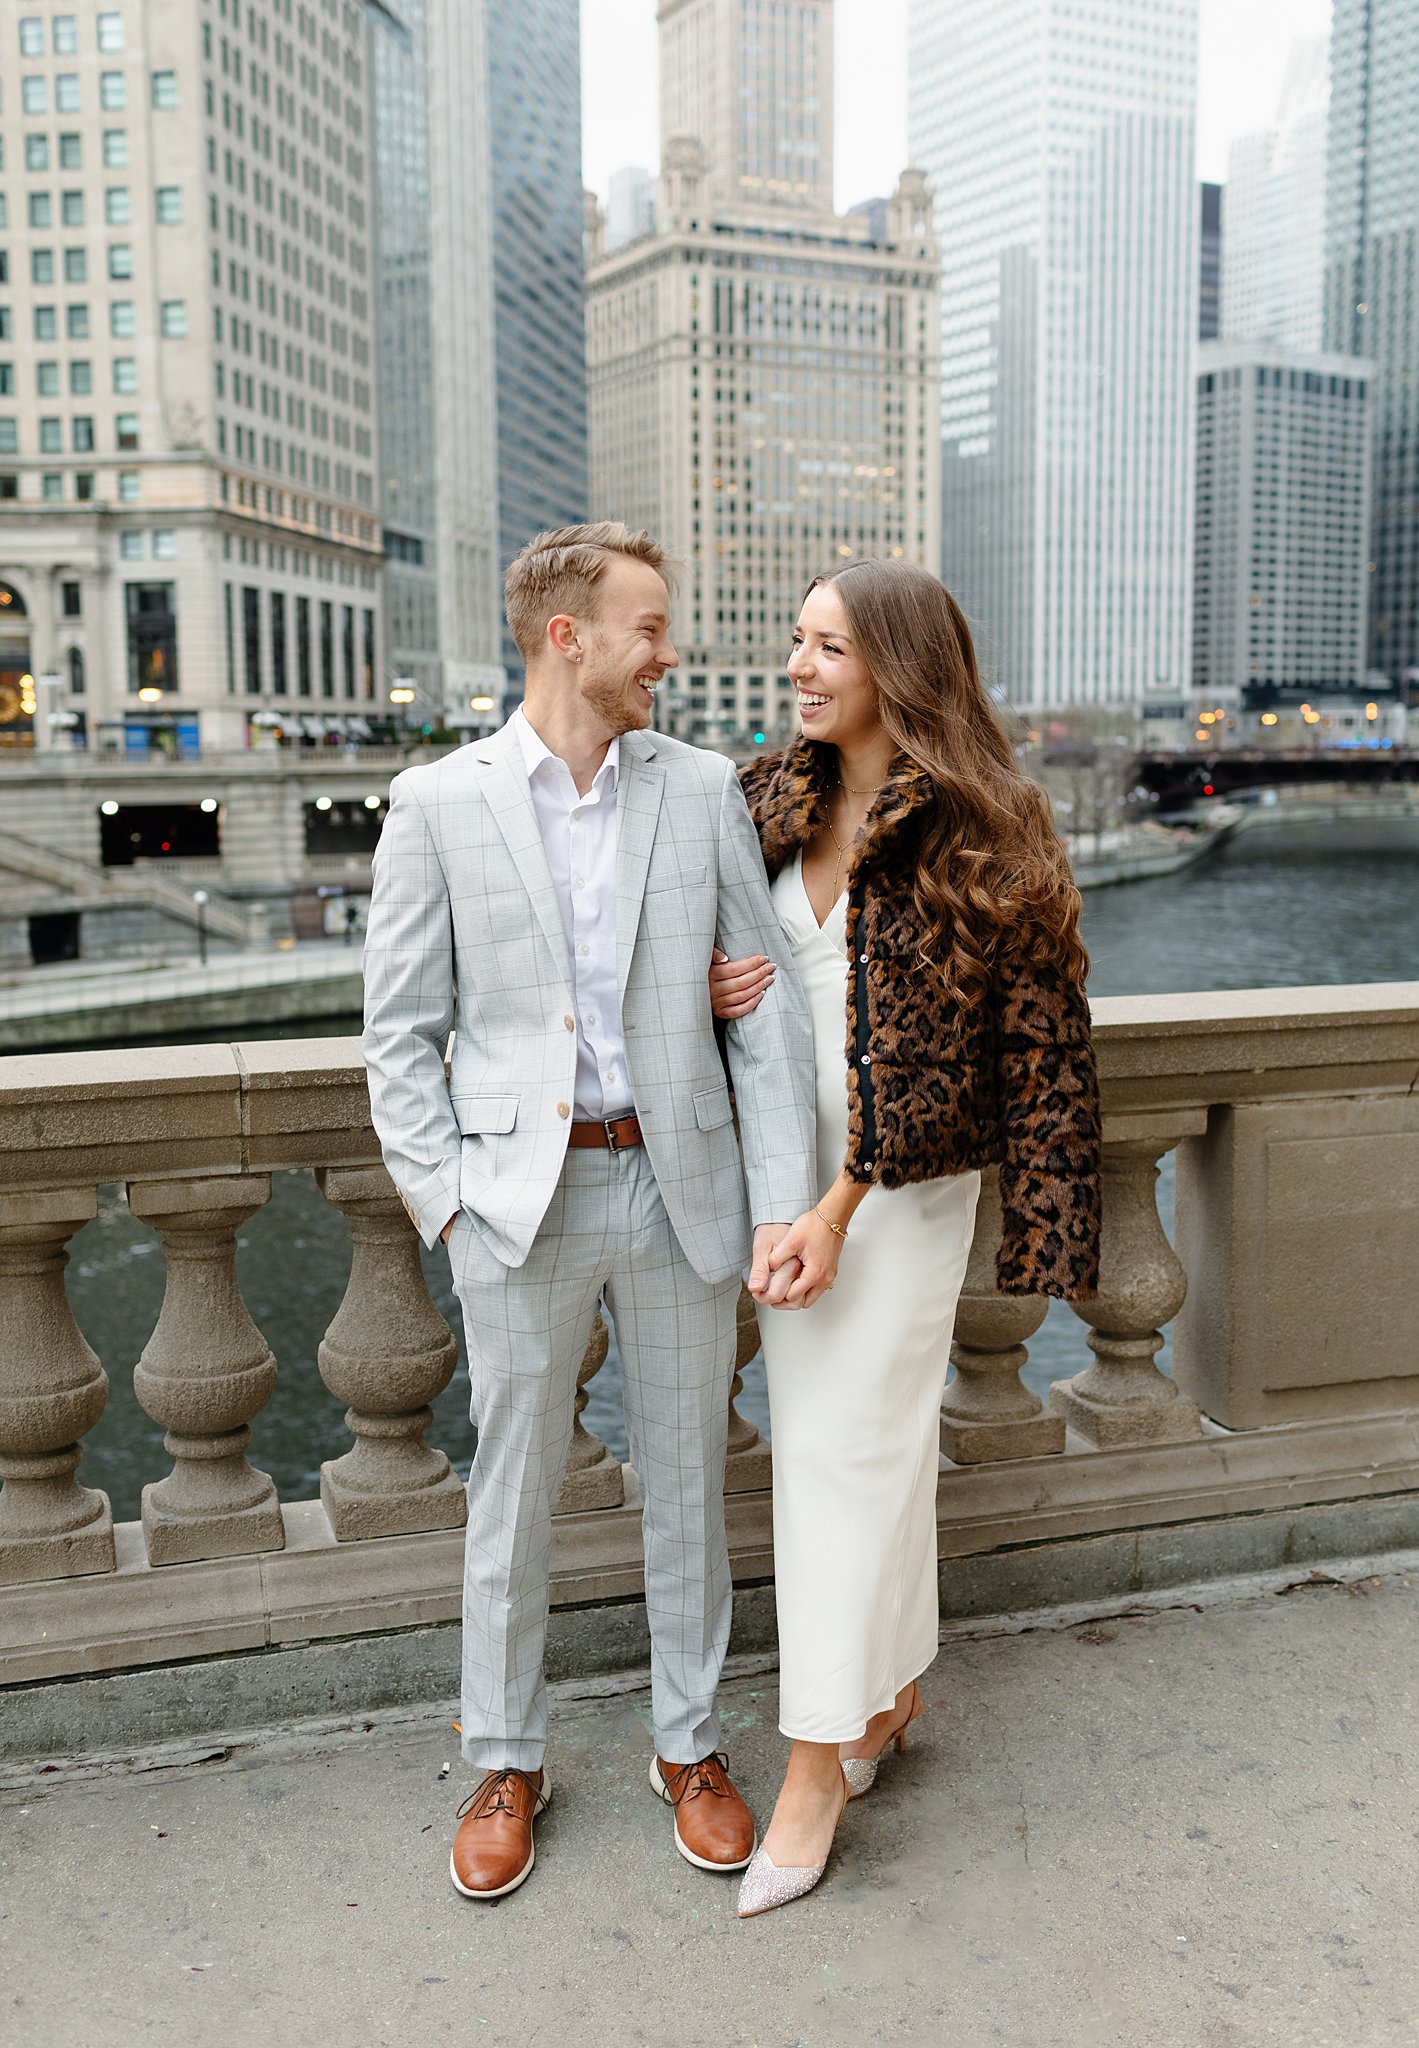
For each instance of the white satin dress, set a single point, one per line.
(855, 1388)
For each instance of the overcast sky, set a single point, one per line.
(1244, 46)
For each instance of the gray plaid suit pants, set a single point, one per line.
(527, 1329)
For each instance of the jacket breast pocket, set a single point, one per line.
(712, 1108)
(484, 1115)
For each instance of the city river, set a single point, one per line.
(1282, 906)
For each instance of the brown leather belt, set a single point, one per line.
(614, 1135)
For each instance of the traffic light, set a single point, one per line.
(759, 739)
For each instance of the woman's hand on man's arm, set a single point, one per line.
(738, 986)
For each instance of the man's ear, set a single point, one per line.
(564, 634)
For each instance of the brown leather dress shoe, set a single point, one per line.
(714, 1829)
(492, 1851)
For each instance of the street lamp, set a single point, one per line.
(199, 897)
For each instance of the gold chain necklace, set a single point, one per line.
(843, 851)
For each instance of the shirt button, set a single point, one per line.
(564, 1109)
(577, 882)
(583, 949)
(590, 1022)
(570, 1024)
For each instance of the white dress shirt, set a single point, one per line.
(579, 833)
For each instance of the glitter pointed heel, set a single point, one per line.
(765, 1885)
(861, 1771)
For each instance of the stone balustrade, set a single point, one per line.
(1289, 1291)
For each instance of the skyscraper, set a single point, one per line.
(188, 512)
(433, 276)
(1059, 138)
(1372, 276)
(630, 207)
(762, 370)
(534, 151)
(1283, 504)
(1273, 252)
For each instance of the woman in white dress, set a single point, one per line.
(934, 926)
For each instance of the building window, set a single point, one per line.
(41, 266)
(126, 431)
(76, 322)
(66, 35)
(71, 209)
(81, 434)
(152, 636)
(115, 149)
(122, 320)
(7, 380)
(128, 487)
(66, 93)
(125, 375)
(327, 648)
(51, 488)
(303, 646)
(51, 437)
(31, 36)
(169, 204)
(347, 646)
(81, 378)
(278, 643)
(9, 438)
(47, 379)
(120, 261)
(130, 547)
(110, 31)
(231, 650)
(70, 605)
(84, 485)
(174, 318)
(41, 210)
(34, 95)
(118, 206)
(164, 88)
(113, 92)
(46, 324)
(76, 663)
(165, 545)
(9, 485)
(76, 266)
(36, 152)
(369, 652)
(251, 638)
(71, 152)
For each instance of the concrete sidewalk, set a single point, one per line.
(1198, 1829)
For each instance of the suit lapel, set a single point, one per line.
(638, 797)
(502, 777)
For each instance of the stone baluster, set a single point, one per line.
(388, 1353)
(205, 1371)
(52, 1391)
(987, 1413)
(1122, 1398)
(748, 1464)
(593, 1476)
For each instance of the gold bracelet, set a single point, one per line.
(836, 1228)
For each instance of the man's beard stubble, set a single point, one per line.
(614, 703)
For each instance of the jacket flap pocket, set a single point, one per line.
(712, 1108)
(691, 874)
(478, 1114)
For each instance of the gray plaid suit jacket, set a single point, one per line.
(465, 934)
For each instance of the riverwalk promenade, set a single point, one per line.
(1190, 1828)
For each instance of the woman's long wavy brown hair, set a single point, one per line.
(992, 875)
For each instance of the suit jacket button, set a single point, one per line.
(564, 1109)
(570, 1023)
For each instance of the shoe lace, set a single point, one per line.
(710, 1774)
(496, 1794)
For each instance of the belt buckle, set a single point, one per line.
(608, 1124)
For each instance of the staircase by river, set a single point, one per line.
(82, 878)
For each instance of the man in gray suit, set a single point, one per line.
(553, 895)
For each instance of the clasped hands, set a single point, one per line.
(794, 1264)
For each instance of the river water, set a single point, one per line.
(1283, 906)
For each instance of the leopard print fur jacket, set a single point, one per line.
(932, 1092)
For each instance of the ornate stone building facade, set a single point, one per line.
(188, 521)
(762, 371)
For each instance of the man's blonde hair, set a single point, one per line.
(559, 571)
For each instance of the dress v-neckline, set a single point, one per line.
(808, 900)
